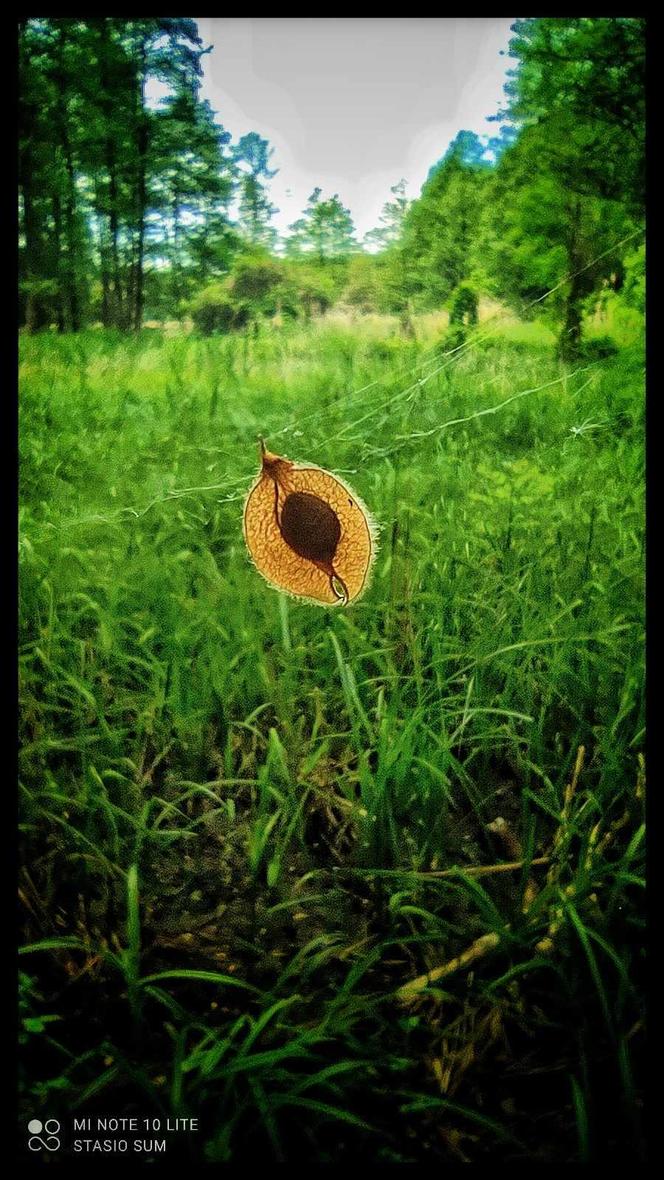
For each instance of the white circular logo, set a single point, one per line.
(51, 1129)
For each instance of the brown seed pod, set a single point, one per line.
(308, 533)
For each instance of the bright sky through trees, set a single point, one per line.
(354, 104)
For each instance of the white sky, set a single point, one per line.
(353, 104)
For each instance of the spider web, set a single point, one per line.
(430, 364)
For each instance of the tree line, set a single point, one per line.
(130, 204)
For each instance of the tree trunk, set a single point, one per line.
(103, 260)
(177, 269)
(113, 223)
(570, 337)
(62, 316)
(70, 269)
(141, 191)
(34, 317)
(110, 159)
(36, 304)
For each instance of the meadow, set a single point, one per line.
(358, 883)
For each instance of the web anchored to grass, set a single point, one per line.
(359, 431)
(235, 489)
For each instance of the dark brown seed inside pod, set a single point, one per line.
(310, 526)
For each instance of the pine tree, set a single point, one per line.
(252, 158)
(391, 219)
(325, 229)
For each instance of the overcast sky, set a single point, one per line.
(353, 104)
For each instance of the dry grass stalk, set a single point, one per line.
(480, 870)
(547, 944)
(477, 950)
(513, 847)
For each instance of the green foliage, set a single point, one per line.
(252, 155)
(598, 348)
(465, 303)
(363, 285)
(391, 220)
(260, 287)
(634, 283)
(582, 79)
(233, 804)
(39, 299)
(559, 193)
(255, 836)
(215, 310)
(313, 289)
(109, 184)
(537, 231)
(325, 230)
(440, 235)
(124, 206)
(572, 184)
(454, 338)
(257, 280)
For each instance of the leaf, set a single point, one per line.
(308, 533)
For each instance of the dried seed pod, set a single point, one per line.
(308, 533)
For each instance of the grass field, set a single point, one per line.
(251, 826)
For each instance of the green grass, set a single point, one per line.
(231, 800)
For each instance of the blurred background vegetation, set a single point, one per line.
(125, 203)
(357, 884)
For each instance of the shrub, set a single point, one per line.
(38, 300)
(598, 348)
(455, 337)
(213, 310)
(465, 303)
(258, 281)
(634, 284)
(314, 298)
(362, 289)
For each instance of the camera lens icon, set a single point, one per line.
(50, 1129)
